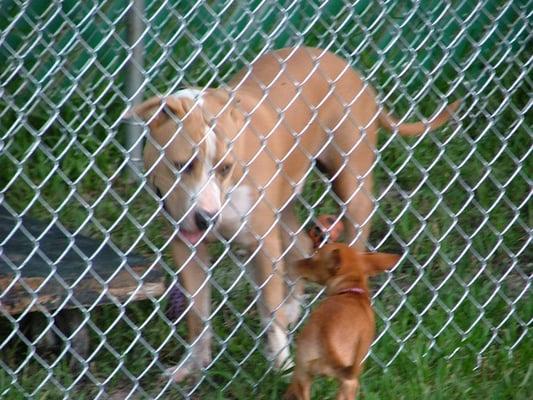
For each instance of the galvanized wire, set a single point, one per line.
(71, 70)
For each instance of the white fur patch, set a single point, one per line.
(278, 343)
(234, 215)
(191, 94)
(210, 146)
(199, 357)
(208, 193)
(293, 307)
(299, 188)
(238, 206)
(208, 189)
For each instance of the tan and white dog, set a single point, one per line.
(233, 160)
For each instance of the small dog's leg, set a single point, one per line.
(193, 276)
(300, 387)
(347, 390)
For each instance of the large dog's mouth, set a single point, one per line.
(193, 237)
(194, 230)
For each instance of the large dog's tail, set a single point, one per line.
(417, 128)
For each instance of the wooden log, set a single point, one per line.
(42, 266)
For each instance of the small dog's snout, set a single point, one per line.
(203, 219)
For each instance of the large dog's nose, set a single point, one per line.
(203, 219)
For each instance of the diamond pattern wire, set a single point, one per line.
(453, 202)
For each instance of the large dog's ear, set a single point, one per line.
(229, 101)
(380, 262)
(155, 109)
(146, 110)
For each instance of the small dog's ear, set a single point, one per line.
(333, 261)
(380, 262)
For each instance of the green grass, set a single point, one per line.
(454, 316)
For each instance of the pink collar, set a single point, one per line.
(354, 290)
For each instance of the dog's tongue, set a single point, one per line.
(191, 237)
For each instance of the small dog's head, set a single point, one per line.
(189, 154)
(337, 260)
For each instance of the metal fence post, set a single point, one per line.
(134, 83)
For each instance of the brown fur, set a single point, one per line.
(338, 335)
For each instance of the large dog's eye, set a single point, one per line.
(224, 169)
(184, 167)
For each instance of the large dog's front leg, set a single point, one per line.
(297, 244)
(269, 275)
(193, 269)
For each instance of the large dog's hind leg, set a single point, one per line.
(193, 270)
(352, 161)
(357, 195)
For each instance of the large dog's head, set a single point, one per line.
(189, 154)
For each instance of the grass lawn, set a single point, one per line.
(453, 317)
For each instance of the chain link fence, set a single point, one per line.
(85, 238)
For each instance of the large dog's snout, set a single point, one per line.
(203, 219)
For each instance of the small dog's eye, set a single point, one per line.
(184, 167)
(224, 169)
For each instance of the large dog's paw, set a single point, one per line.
(188, 368)
(293, 308)
(285, 365)
(278, 349)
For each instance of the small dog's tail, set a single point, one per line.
(417, 128)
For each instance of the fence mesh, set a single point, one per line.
(453, 202)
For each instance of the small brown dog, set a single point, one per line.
(341, 329)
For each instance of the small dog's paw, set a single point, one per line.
(289, 395)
